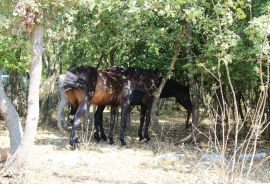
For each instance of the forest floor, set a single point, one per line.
(52, 161)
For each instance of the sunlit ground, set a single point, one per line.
(52, 160)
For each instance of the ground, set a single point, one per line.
(53, 161)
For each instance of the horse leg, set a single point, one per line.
(101, 129)
(85, 123)
(74, 139)
(147, 121)
(142, 117)
(112, 122)
(98, 117)
(124, 112)
(128, 117)
(72, 112)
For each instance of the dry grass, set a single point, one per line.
(52, 160)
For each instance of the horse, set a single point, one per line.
(79, 95)
(144, 86)
(63, 102)
(172, 88)
(108, 87)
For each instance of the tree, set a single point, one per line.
(30, 16)
(12, 118)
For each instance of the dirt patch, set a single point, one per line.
(52, 160)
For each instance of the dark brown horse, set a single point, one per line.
(79, 95)
(143, 84)
(115, 86)
(172, 88)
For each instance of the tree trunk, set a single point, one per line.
(194, 92)
(60, 66)
(11, 117)
(267, 109)
(59, 60)
(15, 164)
(111, 57)
(158, 92)
(46, 60)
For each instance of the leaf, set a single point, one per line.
(240, 14)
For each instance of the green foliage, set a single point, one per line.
(14, 49)
(258, 32)
(144, 32)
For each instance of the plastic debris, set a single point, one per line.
(250, 155)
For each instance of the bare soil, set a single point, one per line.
(52, 161)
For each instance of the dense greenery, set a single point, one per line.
(143, 33)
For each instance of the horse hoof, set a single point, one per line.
(96, 136)
(111, 141)
(75, 145)
(147, 138)
(104, 138)
(141, 138)
(123, 143)
(98, 139)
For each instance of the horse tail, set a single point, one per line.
(73, 81)
(62, 101)
(59, 84)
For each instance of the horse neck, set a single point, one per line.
(173, 89)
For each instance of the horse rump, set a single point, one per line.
(73, 81)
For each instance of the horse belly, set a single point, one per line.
(75, 96)
(104, 98)
(137, 97)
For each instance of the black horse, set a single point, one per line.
(115, 86)
(173, 88)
